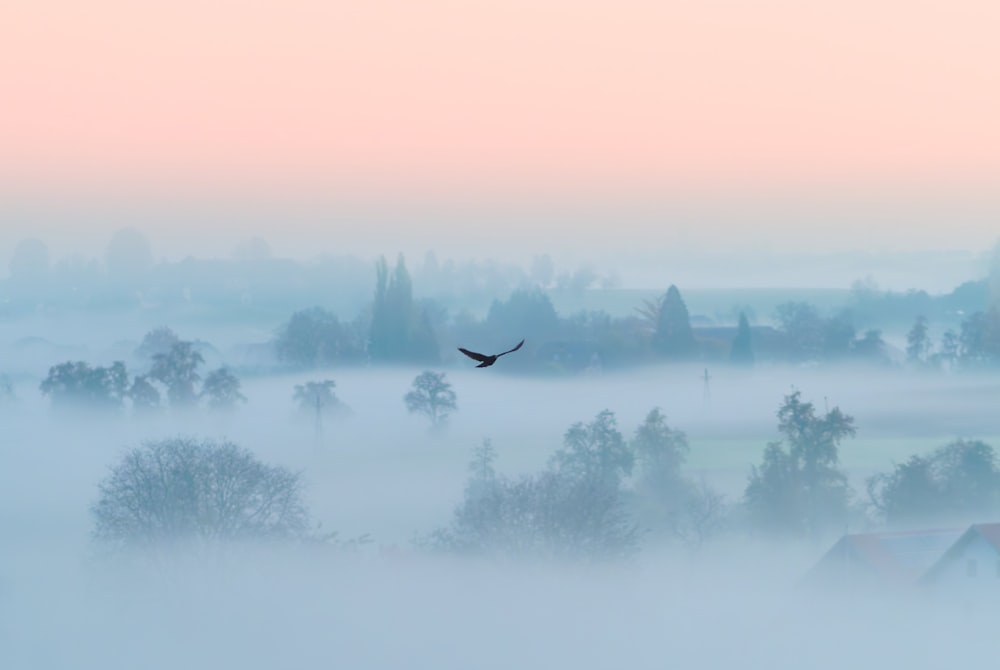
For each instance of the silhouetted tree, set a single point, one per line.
(661, 489)
(958, 482)
(949, 350)
(548, 515)
(673, 337)
(838, 336)
(399, 332)
(871, 348)
(431, 396)
(315, 337)
(803, 328)
(318, 400)
(157, 341)
(661, 452)
(79, 385)
(980, 339)
(178, 371)
(313, 397)
(702, 515)
(527, 310)
(595, 451)
(222, 389)
(145, 397)
(918, 343)
(180, 490)
(742, 351)
(800, 489)
(483, 477)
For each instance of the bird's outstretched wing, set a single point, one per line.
(519, 345)
(473, 355)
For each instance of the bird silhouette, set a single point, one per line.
(486, 361)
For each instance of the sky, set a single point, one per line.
(717, 119)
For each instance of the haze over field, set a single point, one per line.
(752, 249)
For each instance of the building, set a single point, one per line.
(971, 565)
(882, 560)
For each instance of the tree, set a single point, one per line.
(547, 515)
(662, 493)
(950, 348)
(673, 337)
(527, 310)
(838, 336)
(661, 452)
(222, 388)
(908, 495)
(145, 397)
(318, 397)
(431, 396)
(803, 328)
(179, 490)
(800, 490)
(399, 332)
(178, 371)
(483, 477)
(958, 482)
(742, 351)
(315, 337)
(871, 348)
(595, 451)
(157, 341)
(980, 338)
(78, 385)
(969, 476)
(702, 516)
(918, 343)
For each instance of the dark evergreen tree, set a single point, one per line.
(399, 331)
(673, 337)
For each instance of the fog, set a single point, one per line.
(377, 596)
(821, 238)
(735, 604)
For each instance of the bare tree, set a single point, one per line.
(180, 490)
(432, 396)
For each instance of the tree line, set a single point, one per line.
(601, 495)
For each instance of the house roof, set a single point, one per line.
(896, 558)
(988, 531)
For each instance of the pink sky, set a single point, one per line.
(789, 124)
(537, 95)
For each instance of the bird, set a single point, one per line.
(486, 361)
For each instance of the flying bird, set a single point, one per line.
(486, 361)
